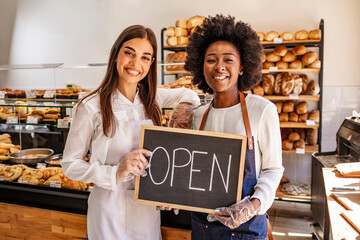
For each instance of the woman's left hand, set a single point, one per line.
(181, 116)
(235, 215)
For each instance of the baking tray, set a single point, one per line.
(19, 157)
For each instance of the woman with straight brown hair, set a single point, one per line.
(107, 122)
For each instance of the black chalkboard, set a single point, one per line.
(191, 170)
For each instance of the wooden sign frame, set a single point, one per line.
(200, 133)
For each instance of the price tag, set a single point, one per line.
(273, 68)
(40, 165)
(55, 184)
(30, 94)
(49, 94)
(278, 40)
(2, 102)
(300, 150)
(310, 123)
(2, 94)
(90, 188)
(1, 178)
(293, 96)
(62, 123)
(32, 103)
(32, 120)
(11, 120)
(50, 104)
(82, 94)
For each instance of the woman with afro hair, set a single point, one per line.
(225, 59)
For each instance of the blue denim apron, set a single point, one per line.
(256, 228)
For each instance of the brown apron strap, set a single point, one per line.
(270, 236)
(245, 116)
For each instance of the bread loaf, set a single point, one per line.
(181, 23)
(268, 81)
(279, 106)
(301, 132)
(294, 137)
(283, 117)
(287, 84)
(182, 40)
(282, 65)
(287, 145)
(311, 136)
(297, 85)
(287, 36)
(315, 34)
(315, 64)
(171, 41)
(297, 64)
(293, 117)
(301, 35)
(285, 132)
(192, 30)
(314, 115)
(299, 143)
(170, 32)
(280, 50)
(261, 36)
(258, 90)
(313, 88)
(181, 32)
(195, 21)
(272, 57)
(289, 57)
(277, 85)
(267, 65)
(288, 106)
(271, 35)
(304, 79)
(263, 57)
(302, 107)
(309, 58)
(303, 117)
(299, 50)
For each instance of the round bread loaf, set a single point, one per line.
(302, 107)
(287, 145)
(303, 117)
(313, 88)
(258, 90)
(181, 32)
(301, 131)
(170, 32)
(294, 137)
(288, 106)
(195, 21)
(267, 65)
(282, 65)
(309, 58)
(181, 23)
(261, 36)
(293, 117)
(315, 34)
(289, 57)
(314, 115)
(299, 143)
(271, 35)
(287, 84)
(285, 132)
(287, 36)
(315, 64)
(171, 41)
(280, 50)
(283, 117)
(272, 57)
(297, 64)
(279, 106)
(299, 50)
(301, 35)
(182, 40)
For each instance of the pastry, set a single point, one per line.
(282, 65)
(280, 50)
(181, 23)
(181, 32)
(288, 57)
(171, 41)
(309, 58)
(270, 36)
(287, 36)
(272, 57)
(295, 189)
(301, 35)
(195, 21)
(299, 50)
(267, 65)
(315, 64)
(170, 32)
(297, 64)
(315, 34)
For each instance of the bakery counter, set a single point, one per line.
(342, 206)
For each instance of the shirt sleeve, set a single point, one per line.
(79, 141)
(172, 97)
(269, 140)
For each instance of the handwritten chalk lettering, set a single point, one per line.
(172, 163)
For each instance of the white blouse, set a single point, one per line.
(264, 123)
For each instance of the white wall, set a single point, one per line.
(7, 19)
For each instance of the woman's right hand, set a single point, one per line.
(132, 164)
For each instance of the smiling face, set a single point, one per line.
(222, 66)
(133, 61)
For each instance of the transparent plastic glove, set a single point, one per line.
(235, 215)
(181, 116)
(162, 208)
(133, 164)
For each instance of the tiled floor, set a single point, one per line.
(291, 220)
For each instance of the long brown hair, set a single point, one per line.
(146, 87)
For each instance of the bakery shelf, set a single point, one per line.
(308, 150)
(29, 66)
(292, 70)
(61, 103)
(306, 43)
(298, 125)
(300, 97)
(175, 48)
(175, 71)
(282, 196)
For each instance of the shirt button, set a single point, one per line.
(206, 226)
(232, 234)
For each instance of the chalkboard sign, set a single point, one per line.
(191, 170)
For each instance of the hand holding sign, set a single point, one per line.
(182, 116)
